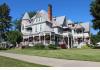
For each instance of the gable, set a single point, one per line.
(40, 17)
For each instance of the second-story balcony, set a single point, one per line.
(85, 35)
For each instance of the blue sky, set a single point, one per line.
(76, 10)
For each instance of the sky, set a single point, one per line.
(75, 10)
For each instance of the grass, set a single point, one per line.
(72, 54)
(9, 62)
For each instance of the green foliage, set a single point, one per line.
(38, 46)
(2, 48)
(85, 47)
(17, 24)
(95, 39)
(95, 12)
(51, 46)
(41, 46)
(5, 19)
(31, 13)
(13, 37)
(10, 62)
(72, 54)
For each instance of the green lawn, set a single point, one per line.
(9, 62)
(72, 54)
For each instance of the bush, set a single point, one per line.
(93, 46)
(2, 48)
(51, 46)
(39, 46)
(85, 47)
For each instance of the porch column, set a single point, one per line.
(39, 39)
(50, 37)
(33, 39)
(71, 42)
(44, 39)
(68, 41)
(54, 39)
(28, 40)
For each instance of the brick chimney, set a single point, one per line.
(50, 12)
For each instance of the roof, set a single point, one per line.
(78, 26)
(69, 21)
(58, 21)
(42, 13)
(26, 16)
(86, 26)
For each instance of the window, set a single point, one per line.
(29, 29)
(35, 28)
(39, 19)
(36, 20)
(40, 27)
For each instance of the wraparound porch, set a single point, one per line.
(45, 38)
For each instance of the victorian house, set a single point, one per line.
(47, 29)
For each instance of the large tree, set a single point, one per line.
(31, 13)
(14, 37)
(95, 12)
(5, 19)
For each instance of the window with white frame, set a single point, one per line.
(40, 27)
(35, 28)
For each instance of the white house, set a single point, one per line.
(46, 29)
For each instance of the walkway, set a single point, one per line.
(51, 61)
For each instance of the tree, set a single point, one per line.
(5, 19)
(14, 37)
(95, 38)
(95, 12)
(31, 13)
(17, 22)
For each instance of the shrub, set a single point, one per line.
(39, 46)
(2, 48)
(93, 46)
(51, 46)
(23, 47)
(85, 47)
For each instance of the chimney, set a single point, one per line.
(50, 12)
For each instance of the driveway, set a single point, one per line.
(51, 61)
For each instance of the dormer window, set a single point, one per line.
(36, 20)
(36, 28)
(39, 19)
(41, 27)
